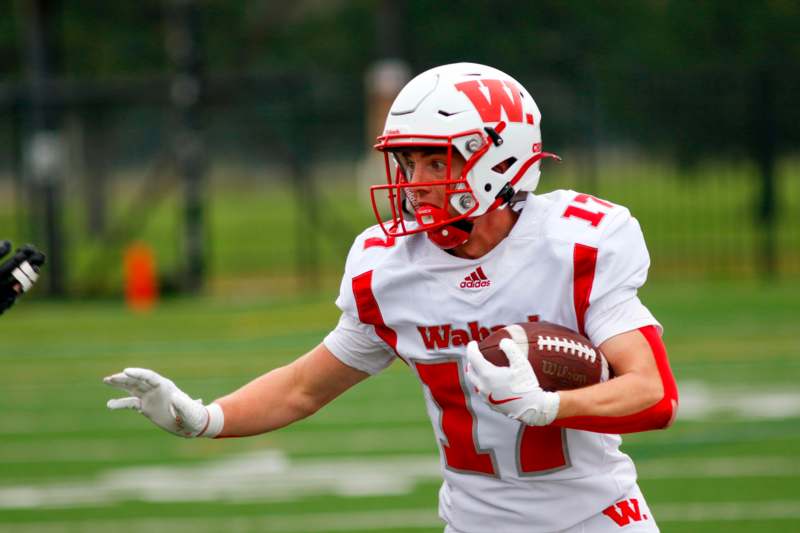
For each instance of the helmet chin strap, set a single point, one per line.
(446, 237)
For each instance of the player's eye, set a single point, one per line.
(438, 166)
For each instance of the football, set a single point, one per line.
(561, 358)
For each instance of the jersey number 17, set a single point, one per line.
(539, 450)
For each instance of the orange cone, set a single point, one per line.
(141, 285)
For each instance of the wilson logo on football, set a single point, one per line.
(476, 280)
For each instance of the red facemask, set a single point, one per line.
(445, 229)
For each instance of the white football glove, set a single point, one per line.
(512, 390)
(168, 407)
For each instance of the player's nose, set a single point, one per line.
(419, 180)
(418, 174)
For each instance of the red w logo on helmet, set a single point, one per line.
(504, 95)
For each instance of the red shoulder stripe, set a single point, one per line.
(368, 310)
(584, 260)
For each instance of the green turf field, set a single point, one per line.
(368, 461)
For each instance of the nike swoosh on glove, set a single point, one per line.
(512, 390)
(168, 407)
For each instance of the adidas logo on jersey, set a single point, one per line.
(476, 280)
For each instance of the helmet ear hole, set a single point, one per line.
(504, 165)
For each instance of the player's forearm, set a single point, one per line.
(640, 399)
(287, 394)
(267, 403)
(620, 396)
(620, 417)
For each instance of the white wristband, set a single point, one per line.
(216, 420)
(25, 275)
(29, 271)
(546, 413)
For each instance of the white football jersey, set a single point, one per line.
(570, 259)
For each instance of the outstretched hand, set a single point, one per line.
(168, 407)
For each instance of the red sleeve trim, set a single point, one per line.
(388, 242)
(657, 416)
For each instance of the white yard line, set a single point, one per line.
(719, 467)
(257, 476)
(727, 511)
(270, 476)
(701, 401)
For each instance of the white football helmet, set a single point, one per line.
(485, 116)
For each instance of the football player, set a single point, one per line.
(19, 273)
(468, 247)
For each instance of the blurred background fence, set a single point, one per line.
(234, 140)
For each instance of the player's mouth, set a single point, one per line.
(428, 214)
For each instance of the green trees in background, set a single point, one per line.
(708, 66)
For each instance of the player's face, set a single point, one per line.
(424, 169)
